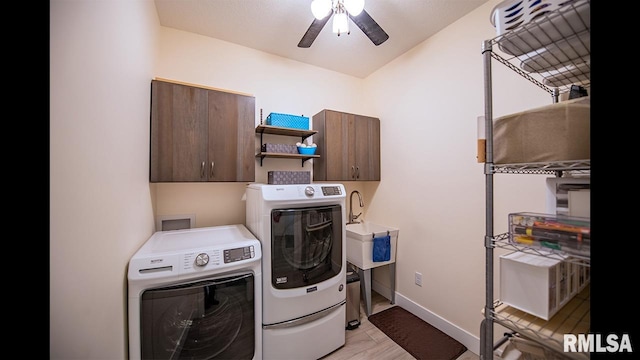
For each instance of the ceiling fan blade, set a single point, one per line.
(312, 32)
(370, 27)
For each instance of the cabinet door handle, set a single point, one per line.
(202, 170)
(353, 172)
(357, 172)
(212, 163)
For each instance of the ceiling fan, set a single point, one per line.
(342, 10)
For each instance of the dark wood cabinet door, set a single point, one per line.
(333, 146)
(349, 147)
(339, 146)
(231, 137)
(367, 147)
(200, 134)
(178, 133)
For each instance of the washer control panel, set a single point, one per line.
(294, 192)
(331, 190)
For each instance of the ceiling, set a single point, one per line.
(276, 27)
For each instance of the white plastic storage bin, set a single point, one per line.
(539, 285)
(510, 14)
(569, 196)
(514, 19)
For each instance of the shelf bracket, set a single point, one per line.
(488, 242)
(488, 168)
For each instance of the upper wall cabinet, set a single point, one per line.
(200, 134)
(349, 147)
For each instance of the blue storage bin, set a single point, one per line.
(288, 121)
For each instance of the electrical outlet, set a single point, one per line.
(418, 279)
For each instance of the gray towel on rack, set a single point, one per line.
(382, 248)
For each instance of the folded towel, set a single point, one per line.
(382, 248)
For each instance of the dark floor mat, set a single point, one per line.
(417, 337)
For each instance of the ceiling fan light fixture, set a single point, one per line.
(342, 11)
(321, 8)
(354, 7)
(341, 23)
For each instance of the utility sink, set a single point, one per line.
(360, 243)
(360, 253)
(364, 231)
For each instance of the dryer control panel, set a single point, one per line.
(239, 254)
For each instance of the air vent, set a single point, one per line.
(175, 222)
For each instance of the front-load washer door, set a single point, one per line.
(209, 319)
(306, 245)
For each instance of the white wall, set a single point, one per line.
(102, 57)
(433, 188)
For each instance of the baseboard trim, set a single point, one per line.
(471, 342)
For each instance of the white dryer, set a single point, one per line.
(302, 231)
(196, 294)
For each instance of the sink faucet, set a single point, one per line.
(352, 218)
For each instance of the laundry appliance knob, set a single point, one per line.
(309, 191)
(202, 259)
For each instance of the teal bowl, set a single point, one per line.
(307, 150)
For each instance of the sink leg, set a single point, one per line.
(392, 273)
(365, 287)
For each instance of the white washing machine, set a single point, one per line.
(196, 294)
(302, 231)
